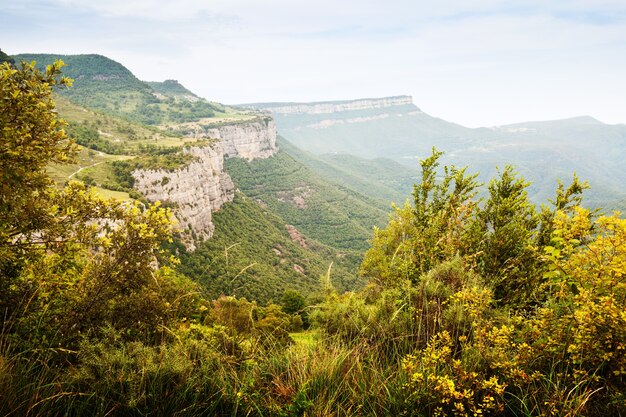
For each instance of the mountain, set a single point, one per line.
(328, 212)
(395, 128)
(283, 229)
(103, 84)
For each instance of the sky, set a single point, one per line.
(477, 63)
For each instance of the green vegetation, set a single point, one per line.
(252, 255)
(331, 214)
(471, 309)
(105, 85)
(5, 58)
(380, 179)
(85, 159)
(94, 129)
(171, 88)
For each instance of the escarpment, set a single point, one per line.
(334, 106)
(200, 188)
(195, 191)
(248, 139)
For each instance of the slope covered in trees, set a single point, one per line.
(542, 151)
(256, 255)
(111, 147)
(380, 179)
(332, 214)
(106, 85)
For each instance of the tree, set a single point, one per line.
(421, 236)
(504, 233)
(70, 261)
(292, 302)
(5, 58)
(31, 137)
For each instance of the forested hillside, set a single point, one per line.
(329, 213)
(543, 152)
(381, 179)
(256, 255)
(106, 85)
(272, 252)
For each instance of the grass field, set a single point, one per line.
(85, 158)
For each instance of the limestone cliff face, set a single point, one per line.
(197, 190)
(250, 140)
(202, 187)
(338, 106)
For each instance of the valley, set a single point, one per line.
(394, 128)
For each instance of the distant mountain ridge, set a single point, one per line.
(327, 107)
(543, 151)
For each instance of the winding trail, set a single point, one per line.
(88, 166)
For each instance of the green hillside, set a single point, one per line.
(254, 235)
(171, 88)
(103, 84)
(332, 214)
(252, 255)
(381, 179)
(543, 152)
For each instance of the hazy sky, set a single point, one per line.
(478, 63)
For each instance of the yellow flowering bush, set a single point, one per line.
(442, 385)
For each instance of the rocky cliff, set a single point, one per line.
(195, 191)
(334, 106)
(202, 187)
(249, 140)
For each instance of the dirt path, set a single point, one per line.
(88, 166)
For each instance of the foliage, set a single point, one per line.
(427, 233)
(329, 213)
(31, 138)
(105, 85)
(472, 309)
(5, 58)
(89, 137)
(505, 233)
(252, 255)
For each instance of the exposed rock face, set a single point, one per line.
(202, 187)
(250, 140)
(296, 236)
(197, 190)
(338, 106)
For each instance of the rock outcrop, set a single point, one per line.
(196, 191)
(336, 106)
(201, 188)
(249, 140)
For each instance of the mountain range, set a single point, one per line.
(260, 213)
